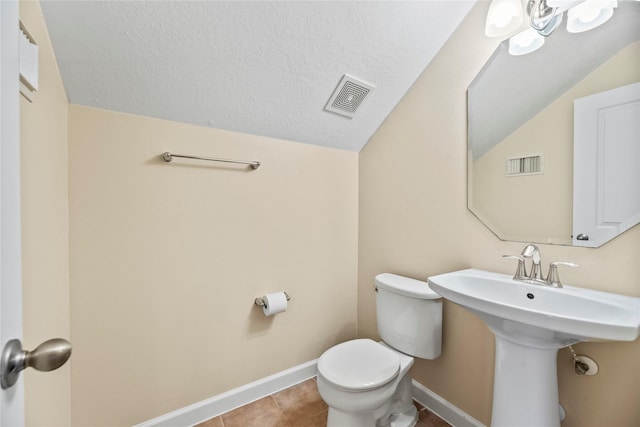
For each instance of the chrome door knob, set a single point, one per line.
(47, 356)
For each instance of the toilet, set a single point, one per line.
(365, 383)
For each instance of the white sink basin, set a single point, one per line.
(530, 323)
(572, 314)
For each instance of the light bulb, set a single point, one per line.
(504, 16)
(589, 14)
(525, 42)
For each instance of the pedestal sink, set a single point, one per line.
(531, 322)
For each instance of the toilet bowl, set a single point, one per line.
(365, 383)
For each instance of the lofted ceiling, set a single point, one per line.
(259, 67)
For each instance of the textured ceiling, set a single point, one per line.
(259, 67)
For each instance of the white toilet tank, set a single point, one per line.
(409, 315)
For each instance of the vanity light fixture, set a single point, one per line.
(544, 18)
(505, 16)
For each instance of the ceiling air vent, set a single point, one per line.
(348, 96)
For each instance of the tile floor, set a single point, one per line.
(297, 406)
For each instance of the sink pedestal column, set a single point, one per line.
(525, 388)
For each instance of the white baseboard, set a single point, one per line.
(225, 402)
(442, 408)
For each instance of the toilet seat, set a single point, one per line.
(359, 365)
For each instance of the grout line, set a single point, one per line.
(280, 409)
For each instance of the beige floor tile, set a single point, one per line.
(297, 406)
(317, 420)
(429, 419)
(300, 401)
(262, 413)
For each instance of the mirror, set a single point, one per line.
(521, 125)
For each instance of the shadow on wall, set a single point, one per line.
(258, 322)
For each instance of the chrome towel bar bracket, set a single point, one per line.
(167, 157)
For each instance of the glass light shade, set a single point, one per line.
(504, 17)
(525, 42)
(589, 15)
(563, 4)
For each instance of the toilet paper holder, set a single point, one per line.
(260, 303)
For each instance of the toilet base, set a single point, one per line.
(409, 418)
(339, 418)
(399, 411)
(403, 412)
(405, 419)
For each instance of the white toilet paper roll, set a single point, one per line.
(274, 303)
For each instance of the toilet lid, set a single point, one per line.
(359, 365)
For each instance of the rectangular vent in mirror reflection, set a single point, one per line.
(529, 165)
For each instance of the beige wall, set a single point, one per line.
(414, 221)
(167, 259)
(549, 133)
(45, 241)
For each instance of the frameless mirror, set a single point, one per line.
(521, 129)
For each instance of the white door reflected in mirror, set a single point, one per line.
(606, 176)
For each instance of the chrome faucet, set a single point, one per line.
(532, 251)
(535, 275)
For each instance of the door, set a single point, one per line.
(11, 399)
(606, 166)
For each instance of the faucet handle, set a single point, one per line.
(553, 278)
(521, 271)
